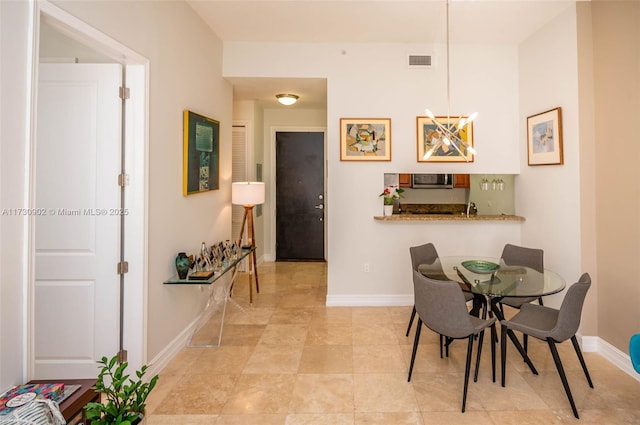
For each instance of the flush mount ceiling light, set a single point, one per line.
(287, 99)
(451, 132)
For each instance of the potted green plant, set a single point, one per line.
(123, 398)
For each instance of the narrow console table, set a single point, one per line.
(208, 330)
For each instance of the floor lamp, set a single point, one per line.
(249, 194)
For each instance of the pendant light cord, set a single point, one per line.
(448, 72)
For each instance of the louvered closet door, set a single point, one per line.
(239, 173)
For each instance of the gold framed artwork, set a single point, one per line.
(429, 136)
(201, 154)
(365, 139)
(544, 138)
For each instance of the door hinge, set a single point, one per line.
(123, 179)
(124, 93)
(122, 356)
(123, 267)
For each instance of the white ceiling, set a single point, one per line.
(365, 21)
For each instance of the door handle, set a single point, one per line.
(319, 207)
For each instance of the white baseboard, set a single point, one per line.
(369, 300)
(617, 357)
(172, 349)
(589, 344)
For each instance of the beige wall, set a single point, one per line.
(616, 58)
(589, 324)
(185, 63)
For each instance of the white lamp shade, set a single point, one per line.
(247, 193)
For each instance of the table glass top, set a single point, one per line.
(493, 278)
(217, 273)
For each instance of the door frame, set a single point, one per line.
(136, 196)
(272, 183)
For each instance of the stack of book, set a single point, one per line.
(22, 394)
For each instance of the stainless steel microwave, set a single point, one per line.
(432, 181)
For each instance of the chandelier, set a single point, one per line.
(450, 132)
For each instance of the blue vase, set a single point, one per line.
(182, 265)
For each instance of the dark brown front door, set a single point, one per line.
(300, 196)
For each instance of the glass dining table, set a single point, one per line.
(494, 280)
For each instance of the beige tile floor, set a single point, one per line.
(289, 360)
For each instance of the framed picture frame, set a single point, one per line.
(544, 138)
(201, 155)
(428, 136)
(365, 139)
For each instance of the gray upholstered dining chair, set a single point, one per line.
(554, 326)
(441, 306)
(426, 254)
(421, 254)
(513, 255)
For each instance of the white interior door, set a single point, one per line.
(77, 237)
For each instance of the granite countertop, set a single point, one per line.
(448, 217)
(443, 212)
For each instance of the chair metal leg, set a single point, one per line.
(494, 337)
(415, 347)
(525, 337)
(480, 338)
(576, 347)
(563, 377)
(523, 353)
(466, 372)
(413, 315)
(441, 344)
(503, 352)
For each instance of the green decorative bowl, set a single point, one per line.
(481, 266)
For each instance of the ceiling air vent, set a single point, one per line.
(419, 61)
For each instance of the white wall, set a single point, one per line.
(549, 195)
(15, 73)
(372, 80)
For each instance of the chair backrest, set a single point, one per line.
(634, 351)
(423, 254)
(514, 255)
(571, 309)
(441, 306)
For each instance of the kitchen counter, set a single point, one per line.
(448, 217)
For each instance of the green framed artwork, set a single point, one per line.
(201, 154)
